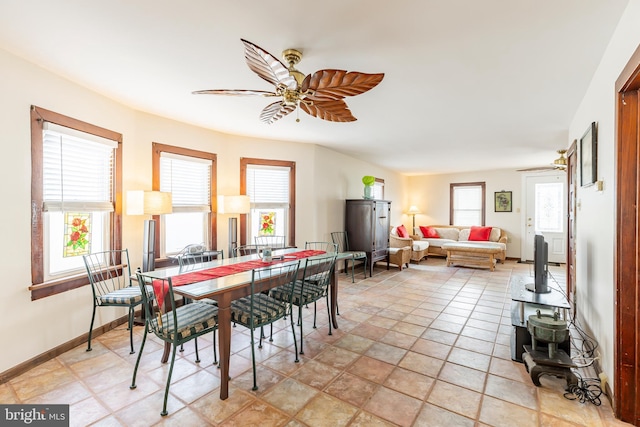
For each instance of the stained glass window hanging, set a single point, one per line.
(267, 223)
(77, 234)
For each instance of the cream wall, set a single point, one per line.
(595, 219)
(324, 179)
(430, 193)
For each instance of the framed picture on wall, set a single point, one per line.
(503, 201)
(589, 156)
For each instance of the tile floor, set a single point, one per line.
(428, 346)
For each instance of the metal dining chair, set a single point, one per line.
(176, 325)
(110, 278)
(328, 247)
(274, 242)
(312, 286)
(341, 239)
(260, 309)
(245, 250)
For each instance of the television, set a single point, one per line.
(540, 266)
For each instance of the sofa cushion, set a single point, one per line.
(402, 231)
(495, 234)
(429, 232)
(436, 243)
(420, 245)
(448, 233)
(479, 234)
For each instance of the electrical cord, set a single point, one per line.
(587, 390)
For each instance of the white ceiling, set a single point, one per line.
(469, 84)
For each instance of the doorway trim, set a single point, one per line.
(627, 249)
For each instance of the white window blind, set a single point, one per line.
(268, 184)
(77, 170)
(467, 205)
(188, 180)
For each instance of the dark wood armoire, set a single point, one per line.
(368, 223)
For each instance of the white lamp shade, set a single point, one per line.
(157, 203)
(149, 203)
(413, 209)
(234, 204)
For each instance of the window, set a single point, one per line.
(378, 189)
(75, 180)
(467, 203)
(270, 184)
(189, 176)
(548, 207)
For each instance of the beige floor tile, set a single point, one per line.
(258, 414)
(393, 406)
(499, 413)
(352, 389)
(463, 376)
(325, 410)
(455, 399)
(433, 416)
(409, 382)
(290, 396)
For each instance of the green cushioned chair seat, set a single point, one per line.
(128, 295)
(192, 318)
(301, 295)
(265, 310)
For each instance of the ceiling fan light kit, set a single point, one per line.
(319, 94)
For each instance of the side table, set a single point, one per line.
(525, 303)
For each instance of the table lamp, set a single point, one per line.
(413, 210)
(149, 203)
(233, 205)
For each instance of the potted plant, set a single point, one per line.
(368, 182)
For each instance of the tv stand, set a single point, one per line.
(531, 287)
(525, 303)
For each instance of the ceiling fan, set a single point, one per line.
(319, 94)
(558, 164)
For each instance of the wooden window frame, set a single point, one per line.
(468, 184)
(157, 149)
(244, 163)
(39, 288)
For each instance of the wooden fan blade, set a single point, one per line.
(234, 92)
(267, 66)
(333, 111)
(275, 111)
(336, 84)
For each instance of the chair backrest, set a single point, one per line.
(318, 270)
(340, 238)
(158, 320)
(195, 254)
(273, 242)
(264, 279)
(328, 247)
(245, 250)
(108, 271)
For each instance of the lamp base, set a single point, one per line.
(148, 245)
(233, 235)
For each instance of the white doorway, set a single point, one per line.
(545, 212)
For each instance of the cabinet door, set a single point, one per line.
(358, 223)
(381, 224)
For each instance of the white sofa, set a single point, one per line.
(454, 233)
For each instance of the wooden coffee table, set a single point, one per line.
(474, 254)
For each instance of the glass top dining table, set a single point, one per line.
(226, 289)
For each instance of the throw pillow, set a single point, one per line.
(402, 231)
(479, 233)
(429, 232)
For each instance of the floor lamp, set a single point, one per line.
(413, 210)
(233, 205)
(149, 203)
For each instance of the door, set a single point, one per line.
(546, 213)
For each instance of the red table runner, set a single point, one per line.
(226, 270)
